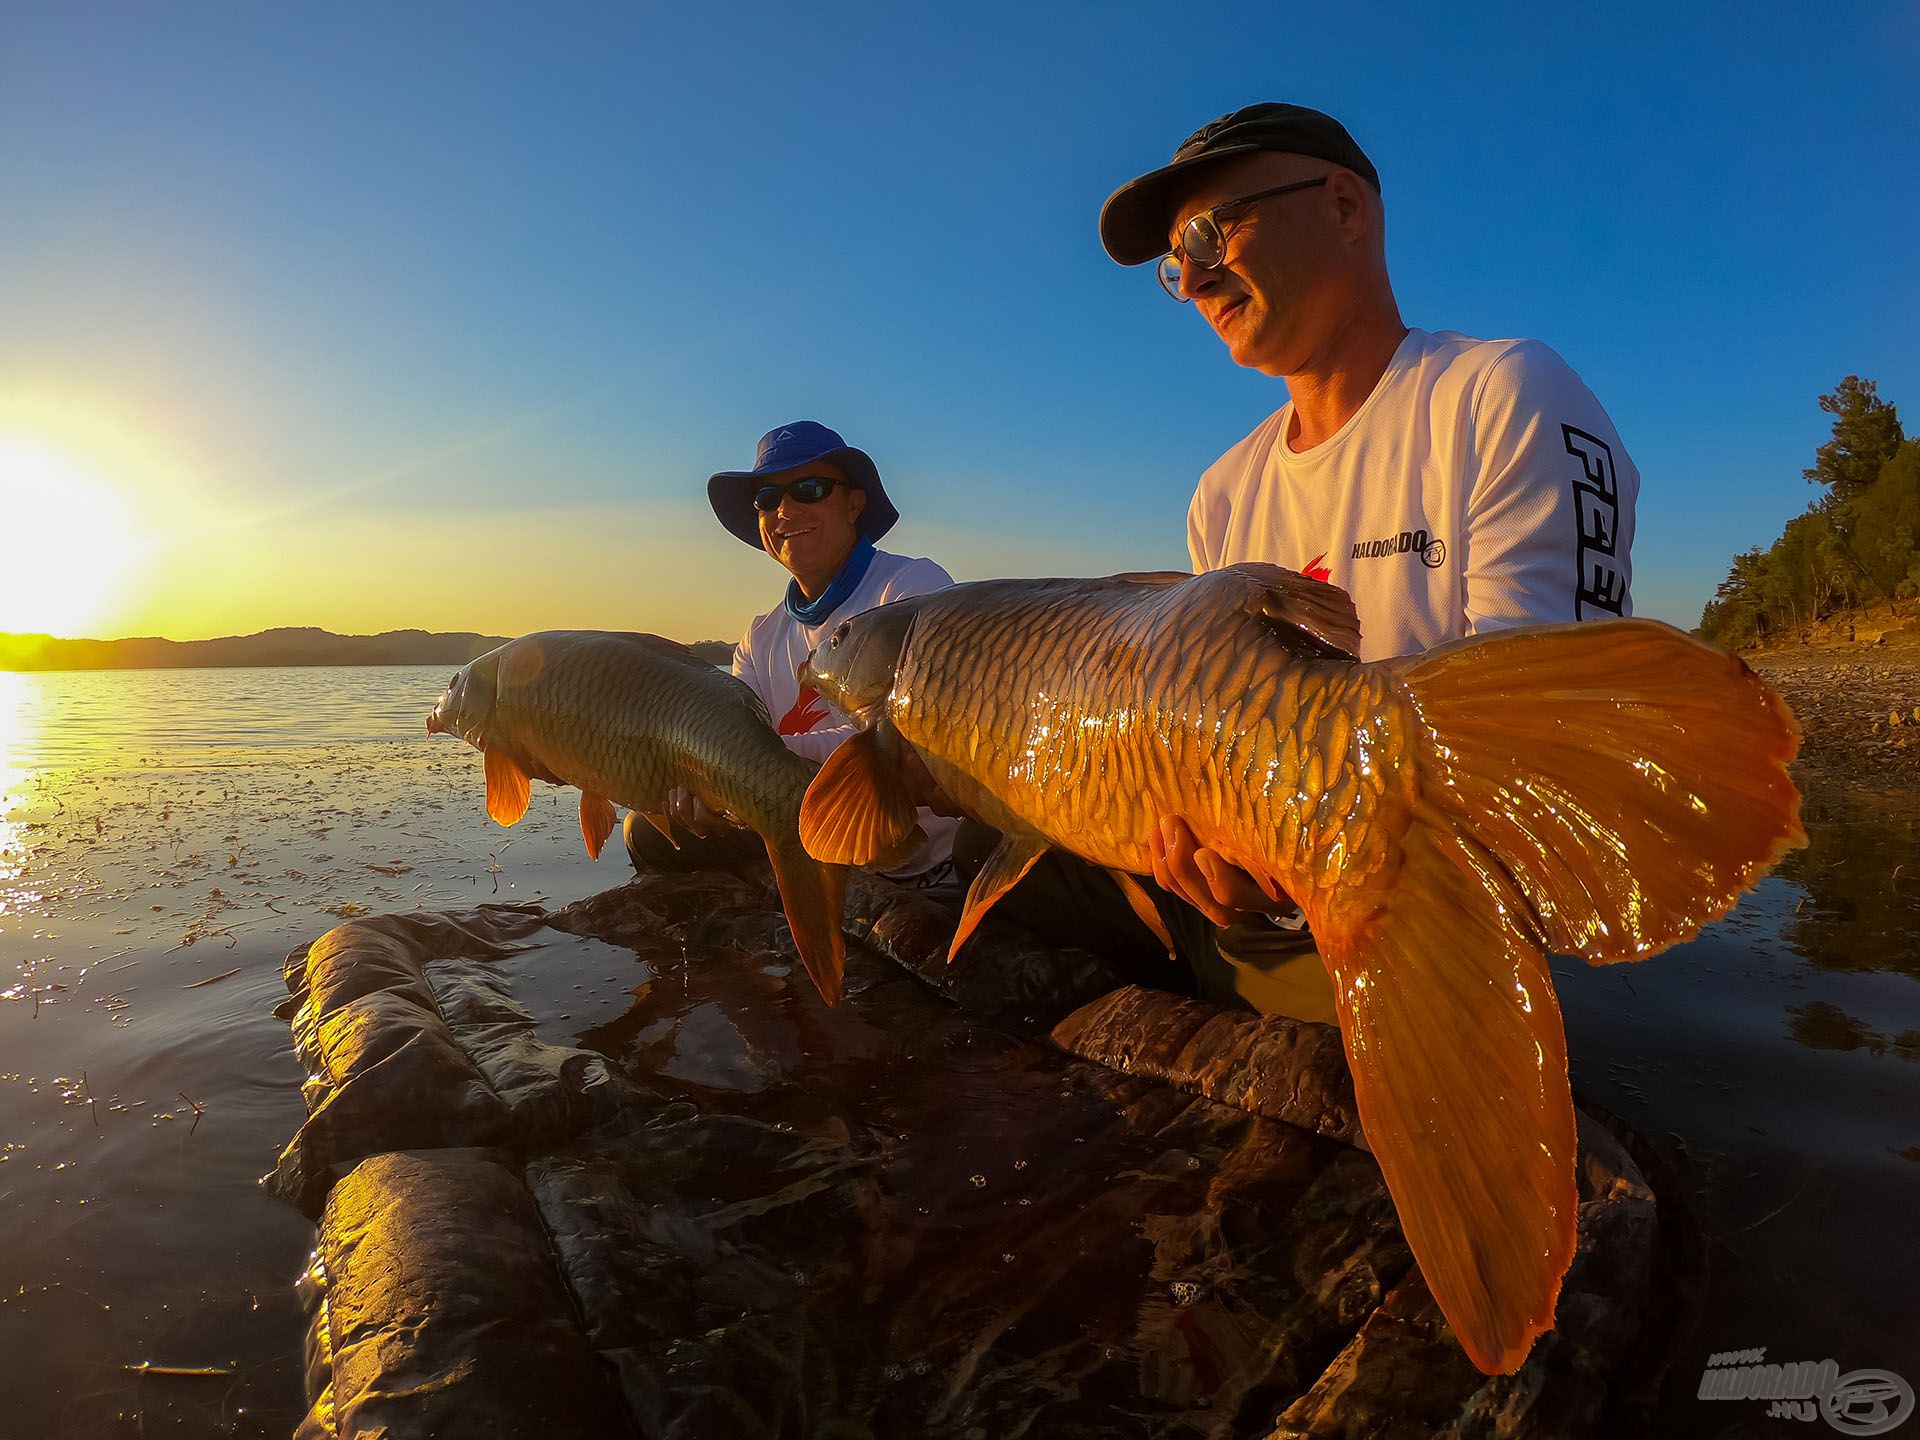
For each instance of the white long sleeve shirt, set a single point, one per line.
(1479, 486)
(769, 657)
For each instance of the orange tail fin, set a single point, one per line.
(814, 896)
(1631, 778)
(1602, 791)
(1459, 1069)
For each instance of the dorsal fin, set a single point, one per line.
(1320, 611)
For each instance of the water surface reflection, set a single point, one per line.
(1861, 873)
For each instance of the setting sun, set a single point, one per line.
(65, 539)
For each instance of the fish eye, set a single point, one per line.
(454, 681)
(840, 635)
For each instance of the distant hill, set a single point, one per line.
(303, 645)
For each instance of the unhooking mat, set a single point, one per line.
(1010, 1198)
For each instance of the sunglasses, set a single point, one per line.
(1202, 242)
(808, 490)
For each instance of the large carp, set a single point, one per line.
(1445, 821)
(627, 718)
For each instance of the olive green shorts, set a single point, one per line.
(1273, 971)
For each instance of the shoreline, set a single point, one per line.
(1858, 706)
(283, 648)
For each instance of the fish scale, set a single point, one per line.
(1170, 721)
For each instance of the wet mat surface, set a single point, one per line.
(903, 1216)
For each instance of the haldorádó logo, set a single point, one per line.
(1408, 542)
(1861, 1402)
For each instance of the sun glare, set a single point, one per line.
(65, 540)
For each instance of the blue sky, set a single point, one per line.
(442, 314)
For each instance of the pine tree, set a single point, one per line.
(1866, 435)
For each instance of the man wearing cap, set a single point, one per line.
(815, 504)
(1451, 485)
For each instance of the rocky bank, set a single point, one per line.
(1858, 703)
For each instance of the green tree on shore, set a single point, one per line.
(1858, 544)
(1884, 522)
(1866, 433)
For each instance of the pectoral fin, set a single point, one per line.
(1004, 869)
(597, 819)
(508, 788)
(858, 809)
(1143, 906)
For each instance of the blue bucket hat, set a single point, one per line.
(786, 448)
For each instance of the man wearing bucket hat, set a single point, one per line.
(1450, 485)
(816, 505)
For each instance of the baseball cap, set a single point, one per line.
(1136, 218)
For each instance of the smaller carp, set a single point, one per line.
(627, 718)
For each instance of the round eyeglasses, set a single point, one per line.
(1202, 242)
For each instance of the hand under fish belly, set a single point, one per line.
(630, 719)
(1445, 821)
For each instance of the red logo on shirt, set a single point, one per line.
(808, 711)
(1314, 570)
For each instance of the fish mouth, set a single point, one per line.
(434, 725)
(867, 716)
(862, 718)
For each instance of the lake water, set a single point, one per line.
(166, 836)
(158, 830)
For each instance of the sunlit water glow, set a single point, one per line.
(163, 829)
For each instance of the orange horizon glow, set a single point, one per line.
(115, 524)
(120, 519)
